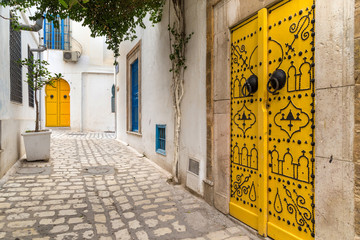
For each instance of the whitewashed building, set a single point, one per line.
(17, 112)
(149, 126)
(251, 165)
(89, 71)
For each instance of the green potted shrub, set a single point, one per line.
(37, 141)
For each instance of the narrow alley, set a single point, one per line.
(96, 188)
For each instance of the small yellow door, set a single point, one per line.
(57, 104)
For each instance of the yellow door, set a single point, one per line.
(57, 103)
(244, 201)
(276, 122)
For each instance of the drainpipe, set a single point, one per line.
(39, 51)
(33, 28)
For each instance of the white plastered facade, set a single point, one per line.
(15, 117)
(156, 94)
(90, 78)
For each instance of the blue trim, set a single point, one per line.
(160, 146)
(45, 30)
(57, 38)
(135, 96)
(62, 34)
(53, 35)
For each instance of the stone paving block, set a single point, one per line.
(162, 231)
(88, 234)
(134, 202)
(101, 229)
(21, 224)
(134, 224)
(123, 235)
(67, 236)
(238, 238)
(142, 235)
(59, 229)
(44, 214)
(234, 230)
(178, 227)
(100, 218)
(25, 232)
(18, 216)
(165, 218)
(82, 226)
(49, 221)
(69, 212)
(5, 205)
(219, 235)
(75, 220)
(116, 224)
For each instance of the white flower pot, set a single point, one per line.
(37, 145)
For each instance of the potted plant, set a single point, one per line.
(37, 142)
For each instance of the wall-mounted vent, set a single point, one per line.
(192, 176)
(194, 166)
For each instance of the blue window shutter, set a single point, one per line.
(135, 96)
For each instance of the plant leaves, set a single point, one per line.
(62, 2)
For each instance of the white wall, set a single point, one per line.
(156, 98)
(15, 117)
(95, 60)
(97, 115)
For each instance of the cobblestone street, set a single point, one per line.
(96, 188)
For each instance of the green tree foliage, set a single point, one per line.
(115, 19)
(37, 77)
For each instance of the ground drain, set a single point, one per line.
(99, 170)
(76, 134)
(34, 170)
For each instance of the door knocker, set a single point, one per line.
(250, 86)
(277, 81)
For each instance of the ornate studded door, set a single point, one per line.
(272, 121)
(57, 102)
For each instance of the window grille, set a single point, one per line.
(57, 38)
(30, 88)
(160, 139)
(15, 66)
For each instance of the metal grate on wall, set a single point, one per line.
(161, 139)
(30, 88)
(15, 66)
(194, 166)
(57, 38)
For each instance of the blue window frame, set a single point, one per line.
(113, 98)
(57, 38)
(161, 139)
(135, 96)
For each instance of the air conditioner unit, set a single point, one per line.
(69, 56)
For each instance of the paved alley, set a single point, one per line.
(96, 188)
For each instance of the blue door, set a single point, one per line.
(135, 96)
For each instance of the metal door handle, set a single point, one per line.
(277, 81)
